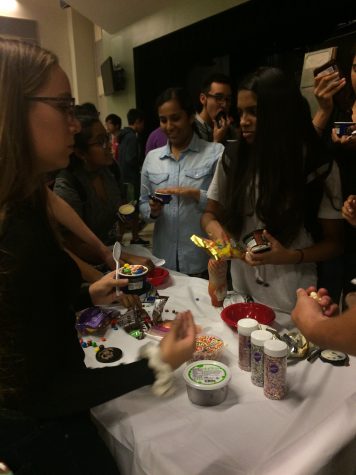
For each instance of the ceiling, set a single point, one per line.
(115, 15)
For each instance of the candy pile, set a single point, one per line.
(207, 347)
(129, 269)
(218, 249)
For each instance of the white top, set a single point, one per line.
(258, 337)
(283, 280)
(246, 326)
(275, 348)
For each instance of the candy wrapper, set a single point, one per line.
(160, 302)
(94, 320)
(217, 249)
(135, 322)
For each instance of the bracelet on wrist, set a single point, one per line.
(164, 376)
(153, 217)
(301, 256)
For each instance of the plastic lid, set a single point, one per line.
(245, 326)
(258, 337)
(275, 348)
(207, 375)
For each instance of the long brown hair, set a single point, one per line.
(24, 68)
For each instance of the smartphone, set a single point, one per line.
(326, 68)
(220, 115)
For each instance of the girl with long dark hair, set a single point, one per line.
(274, 180)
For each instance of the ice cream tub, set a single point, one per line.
(256, 241)
(207, 382)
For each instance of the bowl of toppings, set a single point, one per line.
(207, 347)
(233, 313)
(136, 274)
(157, 276)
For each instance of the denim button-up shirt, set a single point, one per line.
(181, 217)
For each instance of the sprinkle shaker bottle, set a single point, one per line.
(245, 327)
(217, 281)
(275, 369)
(258, 338)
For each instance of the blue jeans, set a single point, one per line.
(67, 445)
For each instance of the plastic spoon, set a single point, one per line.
(116, 254)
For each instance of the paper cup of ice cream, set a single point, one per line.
(345, 128)
(126, 212)
(164, 198)
(136, 275)
(256, 241)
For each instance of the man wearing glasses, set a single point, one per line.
(213, 121)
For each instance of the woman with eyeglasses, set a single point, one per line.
(279, 179)
(46, 391)
(91, 184)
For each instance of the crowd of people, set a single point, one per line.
(280, 170)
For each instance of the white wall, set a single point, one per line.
(69, 35)
(120, 46)
(52, 22)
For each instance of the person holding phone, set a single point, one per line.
(278, 186)
(337, 103)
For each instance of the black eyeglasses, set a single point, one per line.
(63, 104)
(103, 140)
(219, 97)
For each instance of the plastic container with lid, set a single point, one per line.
(258, 338)
(275, 369)
(245, 327)
(207, 382)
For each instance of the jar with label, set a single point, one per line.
(245, 327)
(258, 338)
(217, 287)
(275, 369)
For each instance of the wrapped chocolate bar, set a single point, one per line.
(135, 322)
(218, 249)
(160, 302)
(94, 320)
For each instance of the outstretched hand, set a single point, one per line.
(179, 344)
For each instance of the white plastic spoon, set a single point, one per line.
(116, 254)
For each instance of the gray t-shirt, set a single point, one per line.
(75, 187)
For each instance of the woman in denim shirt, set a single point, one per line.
(184, 168)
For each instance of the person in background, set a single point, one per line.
(276, 182)
(156, 139)
(215, 98)
(91, 185)
(336, 96)
(319, 321)
(46, 393)
(87, 109)
(130, 162)
(113, 126)
(183, 168)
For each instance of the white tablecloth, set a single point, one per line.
(247, 433)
